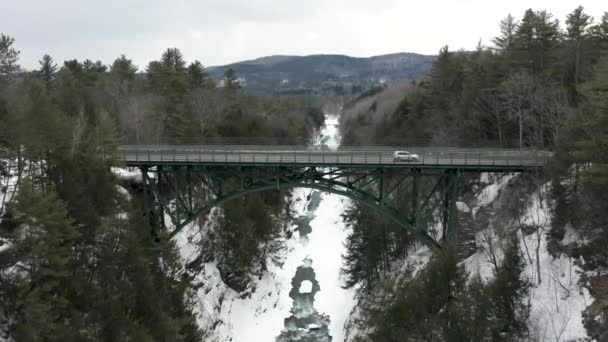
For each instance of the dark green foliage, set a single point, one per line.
(119, 285)
(199, 78)
(584, 169)
(231, 81)
(123, 68)
(536, 42)
(48, 70)
(9, 57)
(81, 271)
(508, 311)
(45, 240)
(371, 247)
(169, 79)
(440, 304)
(506, 41)
(246, 236)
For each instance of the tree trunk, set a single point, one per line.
(521, 128)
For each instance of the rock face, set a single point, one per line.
(305, 323)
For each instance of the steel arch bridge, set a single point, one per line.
(185, 182)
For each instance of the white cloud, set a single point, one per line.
(222, 31)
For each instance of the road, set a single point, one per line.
(485, 159)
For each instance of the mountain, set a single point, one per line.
(322, 74)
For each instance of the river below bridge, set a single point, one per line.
(320, 305)
(300, 296)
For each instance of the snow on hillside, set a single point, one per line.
(8, 183)
(557, 299)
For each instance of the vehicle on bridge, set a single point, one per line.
(405, 156)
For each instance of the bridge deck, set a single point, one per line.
(430, 158)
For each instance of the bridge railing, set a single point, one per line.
(343, 156)
(303, 142)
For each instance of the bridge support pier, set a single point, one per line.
(450, 210)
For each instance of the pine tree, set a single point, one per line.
(600, 31)
(173, 60)
(535, 43)
(45, 243)
(169, 78)
(9, 57)
(589, 153)
(123, 69)
(578, 35)
(506, 40)
(592, 146)
(231, 81)
(508, 292)
(367, 248)
(74, 66)
(48, 70)
(199, 78)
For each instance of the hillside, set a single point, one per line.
(323, 74)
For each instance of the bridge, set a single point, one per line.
(184, 182)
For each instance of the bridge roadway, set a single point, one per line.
(465, 159)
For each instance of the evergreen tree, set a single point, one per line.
(577, 37)
(535, 43)
(48, 70)
(173, 60)
(589, 154)
(506, 40)
(199, 78)
(231, 81)
(74, 66)
(169, 78)
(45, 243)
(508, 294)
(368, 248)
(592, 146)
(9, 57)
(599, 33)
(94, 67)
(123, 69)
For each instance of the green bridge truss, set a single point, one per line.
(185, 193)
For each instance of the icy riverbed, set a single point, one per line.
(319, 241)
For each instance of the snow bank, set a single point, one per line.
(490, 192)
(4, 245)
(8, 185)
(127, 174)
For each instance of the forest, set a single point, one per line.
(542, 84)
(83, 266)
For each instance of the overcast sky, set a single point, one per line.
(223, 31)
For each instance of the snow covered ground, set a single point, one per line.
(557, 300)
(260, 316)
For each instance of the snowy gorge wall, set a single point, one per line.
(495, 206)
